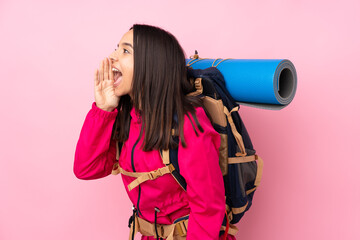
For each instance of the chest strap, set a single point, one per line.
(145, 176)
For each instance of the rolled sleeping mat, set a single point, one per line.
(261, 83)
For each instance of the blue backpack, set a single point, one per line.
(240, 166)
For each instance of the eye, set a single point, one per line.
(126, 50)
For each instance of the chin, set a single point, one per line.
(119, 93)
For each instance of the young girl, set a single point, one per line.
(140, 98)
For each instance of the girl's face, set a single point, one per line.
(123, 60)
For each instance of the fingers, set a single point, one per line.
(111, 74)
(105, 72)
(102, 71)
(96, 78)
(106, 69)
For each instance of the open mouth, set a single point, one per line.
(117, 76)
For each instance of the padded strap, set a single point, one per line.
(165, 155)
(167, 232)
(237, 135)
(137, 227)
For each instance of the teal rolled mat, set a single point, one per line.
(261, 83)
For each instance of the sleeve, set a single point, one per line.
(95, 152)
(199, 165)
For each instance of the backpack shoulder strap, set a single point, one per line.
(170, 157)
(116, 167)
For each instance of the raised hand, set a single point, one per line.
(105, 97)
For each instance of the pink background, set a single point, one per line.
(49, 51)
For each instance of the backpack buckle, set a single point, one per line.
(161, 230)
(154, 175)
(181, 228)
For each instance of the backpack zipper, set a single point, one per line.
(133, 167)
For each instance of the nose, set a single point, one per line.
(112, 57)
(112, 60)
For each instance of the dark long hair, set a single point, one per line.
(159, 89)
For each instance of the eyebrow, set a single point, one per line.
(127, 44)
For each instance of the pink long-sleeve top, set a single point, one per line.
(204, 199)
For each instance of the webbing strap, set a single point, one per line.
(198, 86)
(116, 168)
(250, 191)
(229, 212)
(259, 171)
(145, 176)
(240, 209)
(130, 174)
(194, 60)
(237, 135)
(232, 229)
(218, 62)
(233, 160)
(169, 232)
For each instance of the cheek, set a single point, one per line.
(130, 66)
(130, 76)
